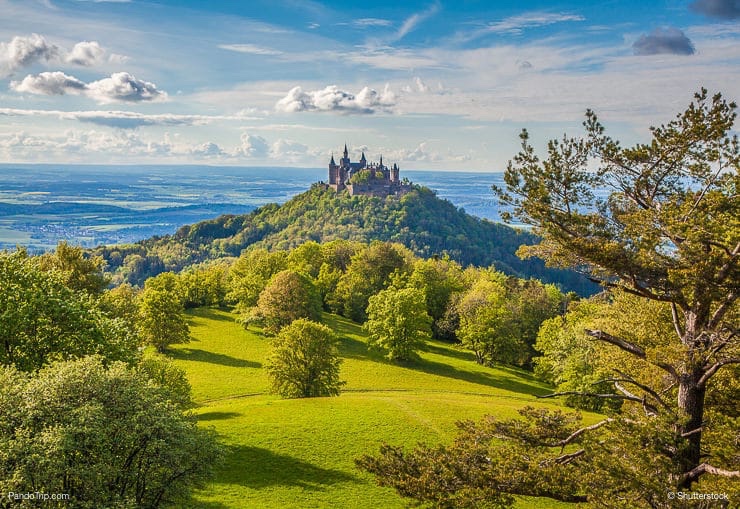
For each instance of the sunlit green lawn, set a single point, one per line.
(300, 453)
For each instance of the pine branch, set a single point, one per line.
(629, 347)
(710, 372)
(705, 468)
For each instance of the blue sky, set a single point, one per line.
(430, 85)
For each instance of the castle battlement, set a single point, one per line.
(364, 178)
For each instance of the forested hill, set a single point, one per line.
(420, 220)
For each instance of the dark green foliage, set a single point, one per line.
(305, 361)
(419, 220)
(42, 319)
(477, 470)
(109, 437)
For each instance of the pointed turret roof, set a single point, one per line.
(363, 156)
(332, 159)
(346, 153)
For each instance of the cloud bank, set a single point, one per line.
(669, 40)
(721, 9)
(333, 99)
(119, 87)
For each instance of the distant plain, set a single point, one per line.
(91, 205)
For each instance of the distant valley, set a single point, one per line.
(93, 205)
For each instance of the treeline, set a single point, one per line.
(488, 312)
(86, 411)
(419, 220)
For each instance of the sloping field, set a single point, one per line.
(299, 453)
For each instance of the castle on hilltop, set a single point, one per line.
(364, 178)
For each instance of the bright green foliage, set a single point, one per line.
(306, 259)
(43, 320)
(289, 296)
(305, 361)
(486, 323)
(250, 273)
(204, 285)
(108, 437)
(568, 358)
(81, 271)
(161, 320)
(361, 177)
(369, 272)
(398, 323)
(439, 280)
(120, 302)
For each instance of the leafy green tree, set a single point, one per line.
(204, 285)
(107, 436)
(569, 357)
(398, 323)
(306, 259)
(289, 296)
(305, 361)
(161, 319)
(667, 233)
(369, 272)
(81, 272)
(487, 323)
(42, 319)
(439, 279)
(250, 274)
(120, 302)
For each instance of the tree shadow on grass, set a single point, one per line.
(449, 352)
(218, 314)
(194, 354)
(509, 384)
(255, 467)
(215, 416)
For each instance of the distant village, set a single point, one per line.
(366, 178)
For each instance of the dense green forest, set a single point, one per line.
(421, 221)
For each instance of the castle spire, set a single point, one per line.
(332, 159)
(346, 153)
(381, 161)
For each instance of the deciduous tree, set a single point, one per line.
(305, 361)
(111, 436)
(398, 322)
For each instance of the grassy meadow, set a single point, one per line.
(299, 453)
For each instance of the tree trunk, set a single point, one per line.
(691, 407)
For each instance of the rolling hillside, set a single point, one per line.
(299, 453)
(427, 225)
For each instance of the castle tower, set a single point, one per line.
(394, 173)
(345, 159)
(363, 161)
(333, 173)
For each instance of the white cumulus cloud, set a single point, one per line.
(86, 53)
(119, 87)
(333, 99)
(253, 146)
(23, 51)
(50, 83)
(122, 86)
